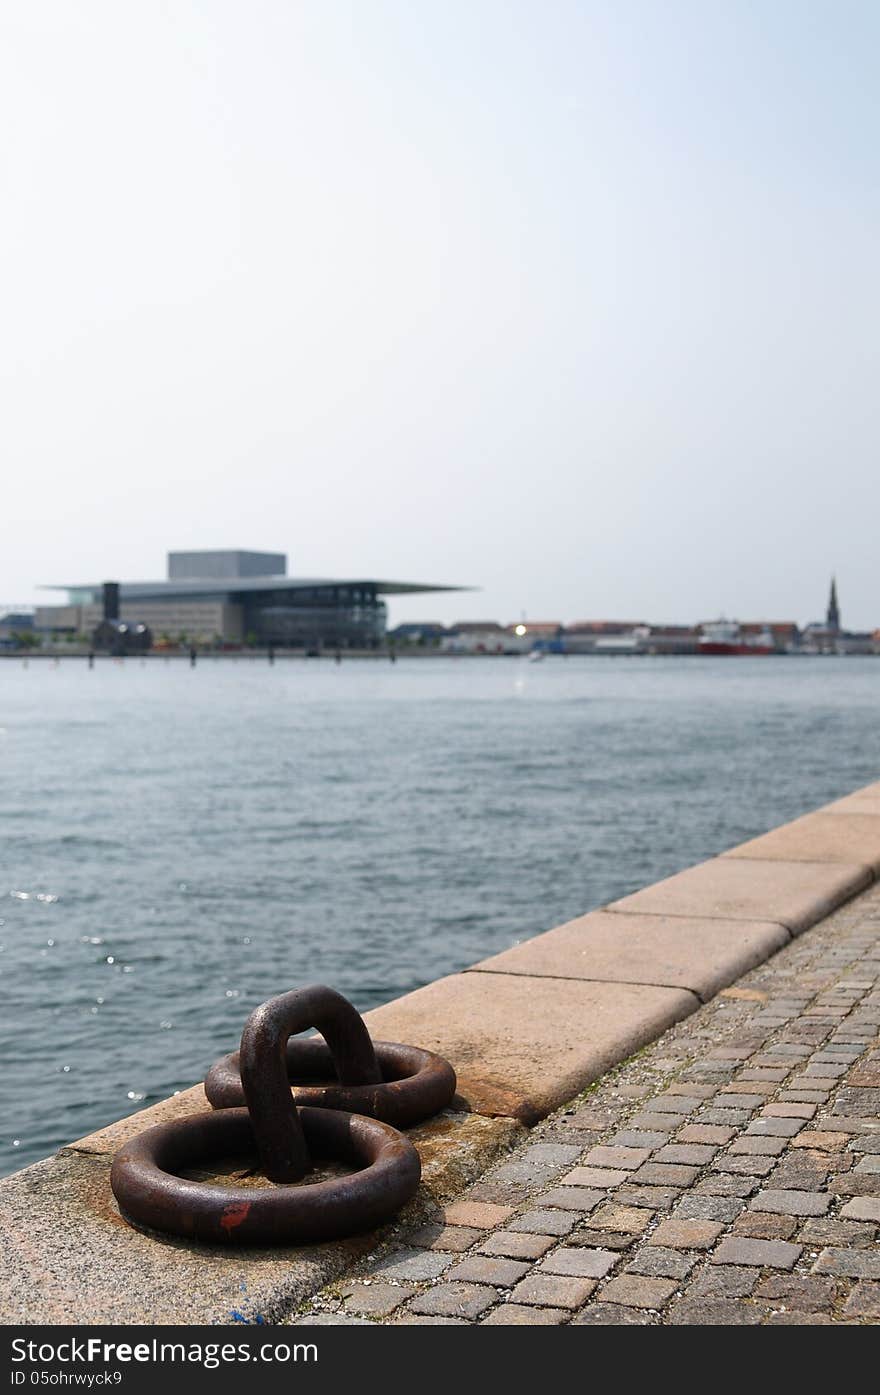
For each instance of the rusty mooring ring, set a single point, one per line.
(145, 1182)
(398, 1084)
(145, 1173)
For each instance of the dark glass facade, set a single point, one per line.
(318, 617)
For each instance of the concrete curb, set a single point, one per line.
(526, 1030)
(521, 1044)
(612, 947)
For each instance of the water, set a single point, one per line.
(179, 844)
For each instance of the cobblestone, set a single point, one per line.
(691, 1154)
(751, 1166)
(482, 1214)
(792, 1203)
(446, 1237)
(516, 1245)
(517, 1314)
(572, 1198)
(864, 1301)
(729, 1281)
(807, 1293)
(681, 1233)
(417, 1265)
(376, 1299)
(655, 1198)
(844, 1234)
(635, 1291)
(709, 1208)
(774, 1254)
(715, 1312)
(610, 1314)
(484, 1269)
(544, 1222)
(762, 1225)
(553, 1290)
(626, 1158)
(602, 1239)
(862, 1208)
(761, 1147)
(705, 1133)
(727, 1175)
(579, 1263)
(657, 1122)
(661, 1263)
(854, 1264)
(595, 1177)
(453, 1300)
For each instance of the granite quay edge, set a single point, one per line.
(794, 894)
(862, 801)
(523, 1045)
(820, 837)
(697, 953)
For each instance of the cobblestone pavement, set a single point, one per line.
(729, 1174)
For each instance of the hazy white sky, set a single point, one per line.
(576, 302)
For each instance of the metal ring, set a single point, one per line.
(413, 1083)
(149, 1192)
(280, 1142)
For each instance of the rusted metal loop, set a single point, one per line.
(280, 1142)
(415, 1083)
(150, 1193)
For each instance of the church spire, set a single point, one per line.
(832, 618)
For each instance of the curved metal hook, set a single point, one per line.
(280, 1140)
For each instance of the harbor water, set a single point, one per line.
(180, 843)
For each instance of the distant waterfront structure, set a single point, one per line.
(17, 629)
(229, 598)
(236, 597)
(225, 565)
(832, 615)
(421, 632)
(119, 637)
(829, 637)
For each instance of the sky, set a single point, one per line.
(576, 303)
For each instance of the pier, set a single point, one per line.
(725, 1174)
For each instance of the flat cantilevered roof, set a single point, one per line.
(238, 585)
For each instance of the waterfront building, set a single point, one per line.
(858, 642)
(423, 632)
(604, 636)
(785, 633)
(526, 635)
(475, 637)
(672, 639)
(237, 597)
(535, 629)
(16, 626)
(604, 627)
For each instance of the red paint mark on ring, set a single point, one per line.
(234, 1215)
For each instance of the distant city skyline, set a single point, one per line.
(578, 305)
(471, 605)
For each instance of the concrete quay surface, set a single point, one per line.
(527, 1031)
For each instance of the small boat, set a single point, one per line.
(727, 637)
(536, 656)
